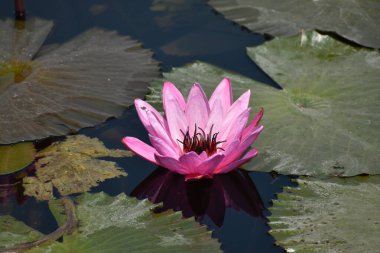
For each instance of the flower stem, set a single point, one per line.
(19, 10)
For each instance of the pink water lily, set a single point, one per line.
(200, 137)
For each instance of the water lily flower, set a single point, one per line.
(198, 138)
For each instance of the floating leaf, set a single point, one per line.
(67, 87)
(16, 157)
(335, 215)
(71, 167)
(15, 232)
(354, 20)
(326, 120)
(123, 224)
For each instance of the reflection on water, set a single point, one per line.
(202, 197)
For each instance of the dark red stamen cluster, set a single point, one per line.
(200, 141)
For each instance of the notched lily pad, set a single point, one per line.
(71, 167)
(66, 87)
(123, 224)
(354, 20)
(16, 157)
(326, 120)
(335, 215)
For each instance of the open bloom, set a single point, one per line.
(200, 137)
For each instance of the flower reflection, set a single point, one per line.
(11, 187)
(202, 197)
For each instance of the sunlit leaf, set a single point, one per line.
(71, 167)
(335, 215)
(16, 157)
(354, 20)
(123, 224)
(326, 120)
(15, 232)
(66, 87)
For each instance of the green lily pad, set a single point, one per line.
(335, 215)
(326, 120)
(15, 232)
(16, 157)
(71, 167)
(123, 224)
(354, 20)
(66, 87)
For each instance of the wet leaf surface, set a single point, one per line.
(353, 20)
(334, 215)
(66, 87)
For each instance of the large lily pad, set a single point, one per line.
(335, 215)
(71, 167)
(123, 224)
(354, 20)
(326, 120)
(67, 87)
(16, 157)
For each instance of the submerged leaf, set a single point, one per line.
(354, 20)
(67, 87)
(16, 157)
(71, 167)
(15, 232)
(123, 224)
(326, 120)
(335, 215)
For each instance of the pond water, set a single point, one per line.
(177, 36)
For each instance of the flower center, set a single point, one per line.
(200, 141)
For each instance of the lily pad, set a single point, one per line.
(72, 167)
(354, 20)
(123, 224)
(15, 232)
(16, 157)
(326, 120)
(61, 89)
(335, 215)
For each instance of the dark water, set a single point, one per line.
(193, 33)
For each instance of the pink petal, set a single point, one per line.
(169, 88)
(170, 164)
(234, 112)
(234, 130)
(197, 108)
(215, 119)
(162, 147)
(176, 119)
(142, 108)
(228, 153)
(208, 166)
(254, 122)
(223, 92)
(140, 148)
(190, 161)
(159, 131)
(251, 154)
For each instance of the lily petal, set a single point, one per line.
(208, 166)
(170, 163)
(159, 131)
(254, 122)
(230, 132)
(162, 147)
(215, 119)
(142, 108)
(223, 92)
(140, 148)
(251, 154)
(176, 119)
(190, 161)
(169, 88)
(197, 108)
